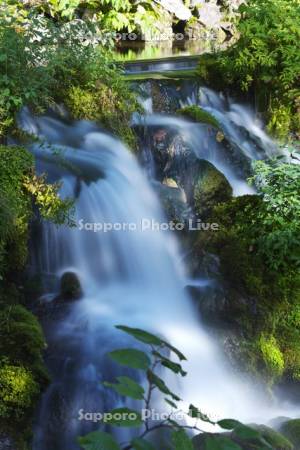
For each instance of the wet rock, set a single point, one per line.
(70, 286)
(211, 188)
(176, 7)
(173, 201)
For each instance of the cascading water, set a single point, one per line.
(130, 275)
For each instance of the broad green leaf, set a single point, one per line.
(135, 359)
(220, 443)
(176, 368)
(141, 444)
(124, 417)
(128, 387)
(176, 351)
(197, 414)
(160, 384)
(181, 441)
(149, 338)
(98, 440)
(245, 432)
(141, 335)
(228, 424)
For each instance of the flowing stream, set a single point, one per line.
(131, 275)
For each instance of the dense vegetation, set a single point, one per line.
(42, 63)
(259, 249)
(265, 60)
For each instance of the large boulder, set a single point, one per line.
(176, 7)
(211, 188)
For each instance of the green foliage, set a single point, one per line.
(132, 358)
(98, 441)
(18, 187)
(124, 417)
(258, 248)
(18, 390)
(291, 429)
(198, 114)
(265, 58)
(43, 62)
(127, 387)
(279, 216)
(110, 15)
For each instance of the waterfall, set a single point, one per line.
(131, 275)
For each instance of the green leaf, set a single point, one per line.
(124, 417)
(245, 432)
(220, 443)
(149, 338)
(160, 384)
(176, 368)
(141, 335)
(197, 414)
(128, 387)
(141, 444)
(228, 424)
(135, 359)
(98, 440)
(175, 350)
(171, 403)
(181, 441)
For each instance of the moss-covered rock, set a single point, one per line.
(272, 355)
(211, 188)
(198, 114)
(22, 340)
(291, 429)
(18, 391)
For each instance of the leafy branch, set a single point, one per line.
(151, 364)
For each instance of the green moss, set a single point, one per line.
(198, 114)
(291, 429)
(18, 391)
(22, 340)
(211, 188)
(272, 355)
